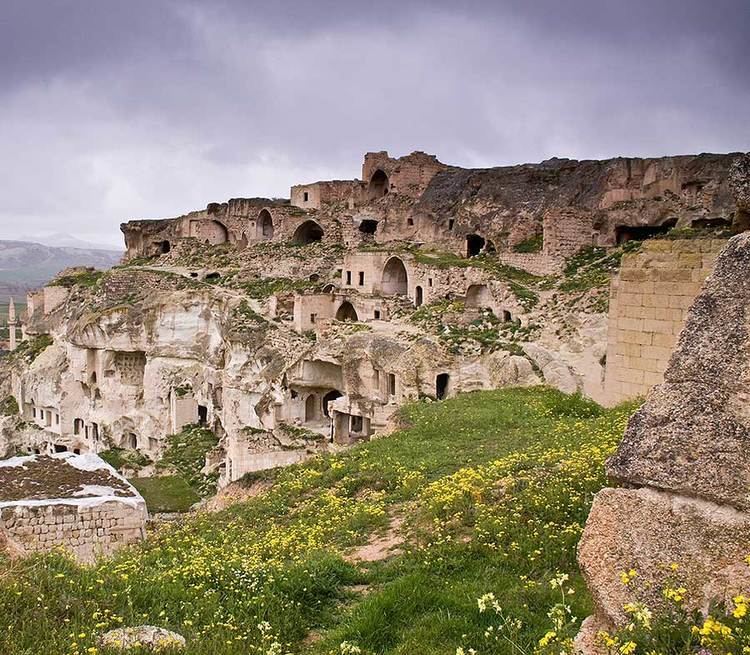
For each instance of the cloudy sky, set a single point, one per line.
(119, 109)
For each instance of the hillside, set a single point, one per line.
(488, 492)
(26, 265)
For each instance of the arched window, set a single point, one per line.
(308, 232)
(395, 280)
(265, 225)
(378, 186)
(133, 441)
(346, 312)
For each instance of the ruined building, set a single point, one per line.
(288, 327)
(76, 502)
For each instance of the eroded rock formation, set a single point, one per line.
(288, 327)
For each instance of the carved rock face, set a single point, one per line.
(739, 182)
(692, 434)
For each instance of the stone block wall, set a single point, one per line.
(649, 301)
(567, 231)
(86, 530)
(682, 515)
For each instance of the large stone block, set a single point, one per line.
(692, 436)
(648, 531)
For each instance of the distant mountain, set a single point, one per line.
(61, 240)
(25, 265)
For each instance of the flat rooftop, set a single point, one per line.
(62, 478)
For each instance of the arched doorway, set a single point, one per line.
(418, 296)
(474, 245)
(328, 398)
(478, 296)
(378, 186)
(308, 232)
(264, 225)
(164, 247)
(395, 281)
(311, 408)
(346, 312)
(442, 383)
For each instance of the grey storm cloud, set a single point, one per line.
(114, 109)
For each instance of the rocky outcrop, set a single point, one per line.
(686, 453)
(142, 637)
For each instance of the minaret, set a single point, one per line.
(12, 323)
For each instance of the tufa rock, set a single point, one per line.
(707, 542)
(142, 636)
(692, 434)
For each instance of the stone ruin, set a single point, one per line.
(290, 327)
(75, 502)
(683, 466)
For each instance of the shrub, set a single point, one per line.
(9, 406)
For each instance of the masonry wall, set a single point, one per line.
(85, 530)
(649, 300)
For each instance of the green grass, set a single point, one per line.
(9, 406)
(82, 279)
(493, 488)
(185, 456)
(29, 350)
(532, 244)
(119, 458)
(168, 493)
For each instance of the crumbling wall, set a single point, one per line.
(649, 301)
(86, 530)
(685, 510)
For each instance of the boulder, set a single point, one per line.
(556, 373)
(142, 636)
(692, 434)
(649, 531)
(739, 182)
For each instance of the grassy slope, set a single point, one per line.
(168, 493)
(494, 487)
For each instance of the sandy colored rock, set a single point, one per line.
(648, 530)
(144, 636)
(691, 435)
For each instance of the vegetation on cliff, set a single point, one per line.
(485, 492)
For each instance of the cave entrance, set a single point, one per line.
(442, 383)
(478, 296)
(378, 186)
(329, 398)
(346, 312)
(625, 233)
(265, 225)
(311, 408)
(418, 296)
(164, 247)
(308, 232)
(474, 245)
(395, 281)
(202, 415)
(368, 226)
